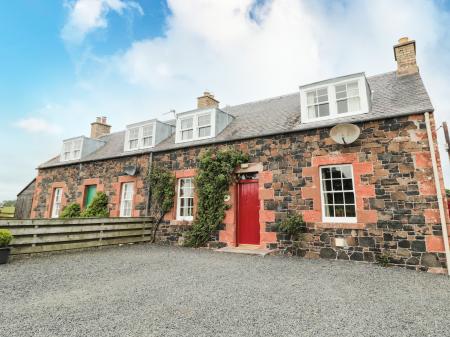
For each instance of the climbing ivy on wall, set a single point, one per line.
(162, 193)
(214, 177)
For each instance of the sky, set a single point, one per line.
(65, 62)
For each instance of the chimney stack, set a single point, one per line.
(405, 55)
(100, 128)
(207, 101)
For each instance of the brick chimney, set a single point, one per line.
(100, 128)
(207, 101)
(405, 55)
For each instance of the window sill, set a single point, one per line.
(181, 222)
(340, 225)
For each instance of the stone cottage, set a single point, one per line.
(380, 194)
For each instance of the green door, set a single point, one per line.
(91, 190)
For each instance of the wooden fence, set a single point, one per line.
(44, 235)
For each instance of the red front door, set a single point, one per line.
(248, 212)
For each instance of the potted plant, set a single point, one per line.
(5, 250)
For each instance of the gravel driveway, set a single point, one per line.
(146, 290)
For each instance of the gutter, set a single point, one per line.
(438, 191)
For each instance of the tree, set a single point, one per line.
(162, 193)
(8, 203)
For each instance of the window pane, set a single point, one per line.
(338, 198)
(133, 144)
(186, 134)
(339, 210)
(324, 110)
(340, 95)
(322, 92)
(329, 210)
(349, 198)
(311, 97)
(312, 111)
(134, 133)
(326, 173)
(329, 198)
(204, 132)
(335, 172)
(342, 106)
(348, 184)
(327, 185)
(204, 120)
(148, 141)
(337, 185)
(350, 210)
(187, 123)
(353, 104)
(352, 89)
(346, 171)
(147, 130)
(340, 88)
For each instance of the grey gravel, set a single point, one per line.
(146, 290)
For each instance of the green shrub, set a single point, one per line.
(72, 210)
(293, 225)
(5, 237)
(383, 259)
(98, 207)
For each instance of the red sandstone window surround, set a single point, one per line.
(126, 200)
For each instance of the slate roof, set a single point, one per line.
(392, 96)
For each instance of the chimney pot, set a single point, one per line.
(99, 128)
(405, 55)
(207, 101)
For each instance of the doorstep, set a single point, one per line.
(246, 249)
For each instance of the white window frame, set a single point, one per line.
(179, 217)
(72, 149)
(187, 129)
(204, 126)
(331, 88)
(335, 219)
(125, 211)
(140, 138)
(195, 126)
(56, 202)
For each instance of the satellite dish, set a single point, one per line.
(345, 133)
(130, 170)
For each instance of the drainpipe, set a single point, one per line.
(150, 166)
(438, 191)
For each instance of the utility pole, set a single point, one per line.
(447, 137)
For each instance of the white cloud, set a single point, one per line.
(38, 125)
(242, 50)
(86, 16)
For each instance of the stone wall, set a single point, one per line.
(397, 210)
(107, 175)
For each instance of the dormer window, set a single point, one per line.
(72, 149)
(139, 136)
(145, 135)
(200, 124)
(344, 96)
